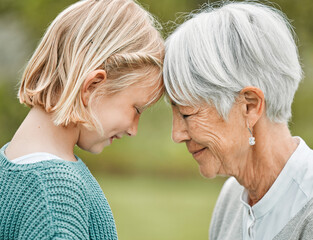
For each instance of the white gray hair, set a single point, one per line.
(220, 50)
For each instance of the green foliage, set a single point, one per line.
(161, 208)
(11, 112)
(34, 14)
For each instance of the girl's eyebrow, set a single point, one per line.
(147, 105)
(150, 103)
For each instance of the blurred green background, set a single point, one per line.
(152, 184)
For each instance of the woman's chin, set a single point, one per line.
(207, 173)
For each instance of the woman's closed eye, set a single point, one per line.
(186, 112)
(186, 115)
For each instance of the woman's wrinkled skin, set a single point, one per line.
(221, 147)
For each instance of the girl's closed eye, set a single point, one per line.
(137, 110)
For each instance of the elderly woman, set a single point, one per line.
(231, 73)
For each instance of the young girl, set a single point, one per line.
(96, 69)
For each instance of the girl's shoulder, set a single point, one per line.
(45, 181)
(48, 198)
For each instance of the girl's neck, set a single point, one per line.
(37, 133)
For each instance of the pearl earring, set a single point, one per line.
(251, 139)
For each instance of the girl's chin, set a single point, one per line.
(98, 148)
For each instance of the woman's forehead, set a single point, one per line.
(187, 109)
(190, 107)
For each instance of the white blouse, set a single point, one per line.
(286, 197)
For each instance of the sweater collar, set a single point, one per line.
(7, 164)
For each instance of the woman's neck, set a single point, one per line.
(38, 133)
(266, 159)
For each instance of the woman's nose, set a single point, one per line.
(179, 131)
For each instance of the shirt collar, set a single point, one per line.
(281, 184)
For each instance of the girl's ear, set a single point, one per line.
(91, 82)
(254, 104)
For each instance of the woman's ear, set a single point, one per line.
(93, 79)
(254, 104)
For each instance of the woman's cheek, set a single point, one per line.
(200, 129)
(193, 129)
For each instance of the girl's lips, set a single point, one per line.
(114, 137)
(111, 139)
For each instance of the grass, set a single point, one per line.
(153, 208)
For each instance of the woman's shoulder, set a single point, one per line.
(300, 226)
(227, 214)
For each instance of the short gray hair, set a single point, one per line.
(220, 50)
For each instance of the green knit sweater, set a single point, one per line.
(53, 199)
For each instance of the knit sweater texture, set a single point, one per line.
(53, 199)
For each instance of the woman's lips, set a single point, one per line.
(198, 153)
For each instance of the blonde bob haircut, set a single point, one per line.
(118, 36)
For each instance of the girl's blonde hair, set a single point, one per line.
(118, 36)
